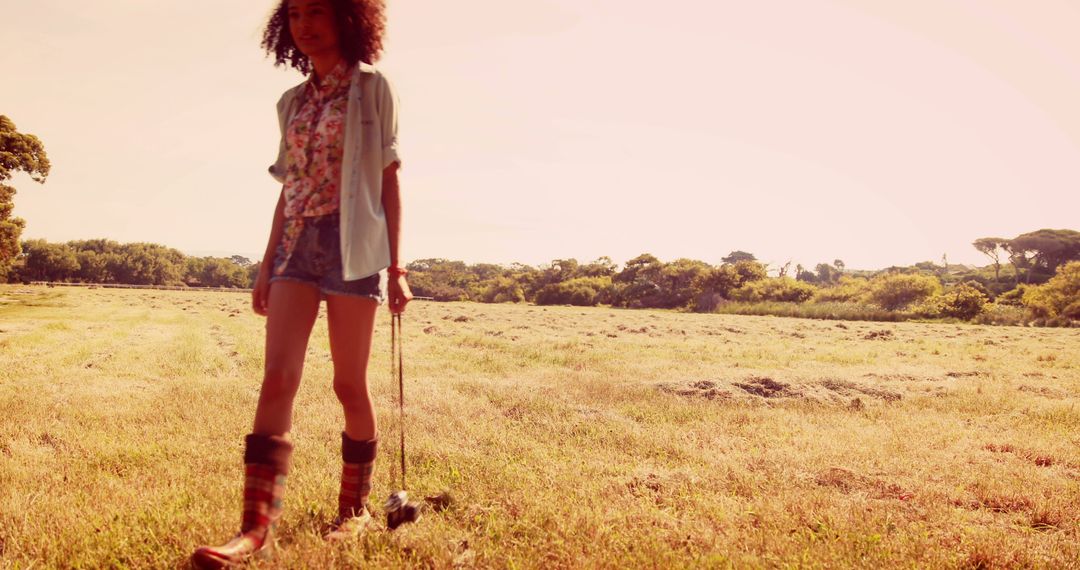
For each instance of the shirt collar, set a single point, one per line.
(331, 83)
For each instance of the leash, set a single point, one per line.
(396, 337)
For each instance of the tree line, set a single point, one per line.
(106, 261)
(1041, 281)
(1042, 285)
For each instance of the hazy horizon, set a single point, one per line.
(874, 132)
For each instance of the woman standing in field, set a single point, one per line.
(337, 224)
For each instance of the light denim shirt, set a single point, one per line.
(370, 146)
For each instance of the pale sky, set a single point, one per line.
(878, 132)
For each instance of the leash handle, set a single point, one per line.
(396, 337)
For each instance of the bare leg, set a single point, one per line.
(351, 325)
(293, 308)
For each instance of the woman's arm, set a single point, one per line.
(397, 287)
(391, 201)
(277, 227)
(260, 292)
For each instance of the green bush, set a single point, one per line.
(750, 271)
(1014, 297)
(848, 290)
(580, 291)
(961, 301)
(782, 289)
(503, 290)
(1072, 311)
(1057, 297)
(1002, 314)
(714, 284)
(897, 291)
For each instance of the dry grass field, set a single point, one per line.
(567, 437)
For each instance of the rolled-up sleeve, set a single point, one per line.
(277, 170)
(388, 123)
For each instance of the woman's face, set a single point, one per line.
(311, 23)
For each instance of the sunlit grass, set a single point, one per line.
(569, 437)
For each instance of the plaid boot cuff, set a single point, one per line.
(353, 451)
(272, 450)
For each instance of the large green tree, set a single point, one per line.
(1050, 249)
(18, 153)
(48, 261)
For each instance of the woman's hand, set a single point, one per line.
(398, 292)
(260, 293)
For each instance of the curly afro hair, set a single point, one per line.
(360, 26)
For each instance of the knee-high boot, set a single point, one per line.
(358, 465)
(266, 463)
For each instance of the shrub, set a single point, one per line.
(783, 289)
(1057, 296)
(1014, 297)
(1072, 311)
(638, 295)
(503, 290)
(897, 291)
(1002, 314)
(749, 270)
(961, 301)
(848, 290)
(979, 286)
(580, 291)
(721, 281)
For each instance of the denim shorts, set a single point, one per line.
(316, 261)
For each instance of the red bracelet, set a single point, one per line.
(396, 271)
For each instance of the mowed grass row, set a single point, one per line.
(567, 437)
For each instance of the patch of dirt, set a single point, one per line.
(839, 477)
(664, 488)
(1003, 448)
(848, 481)
(846, 387)
(766, 387)
(900, 377)
(883, 334)
(1043, 391)
(226, 343)
(996, 503)
(706, 389)
(1039, 459)
(968, 374)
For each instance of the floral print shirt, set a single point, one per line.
(315, 143)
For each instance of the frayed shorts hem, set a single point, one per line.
(325, 291)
